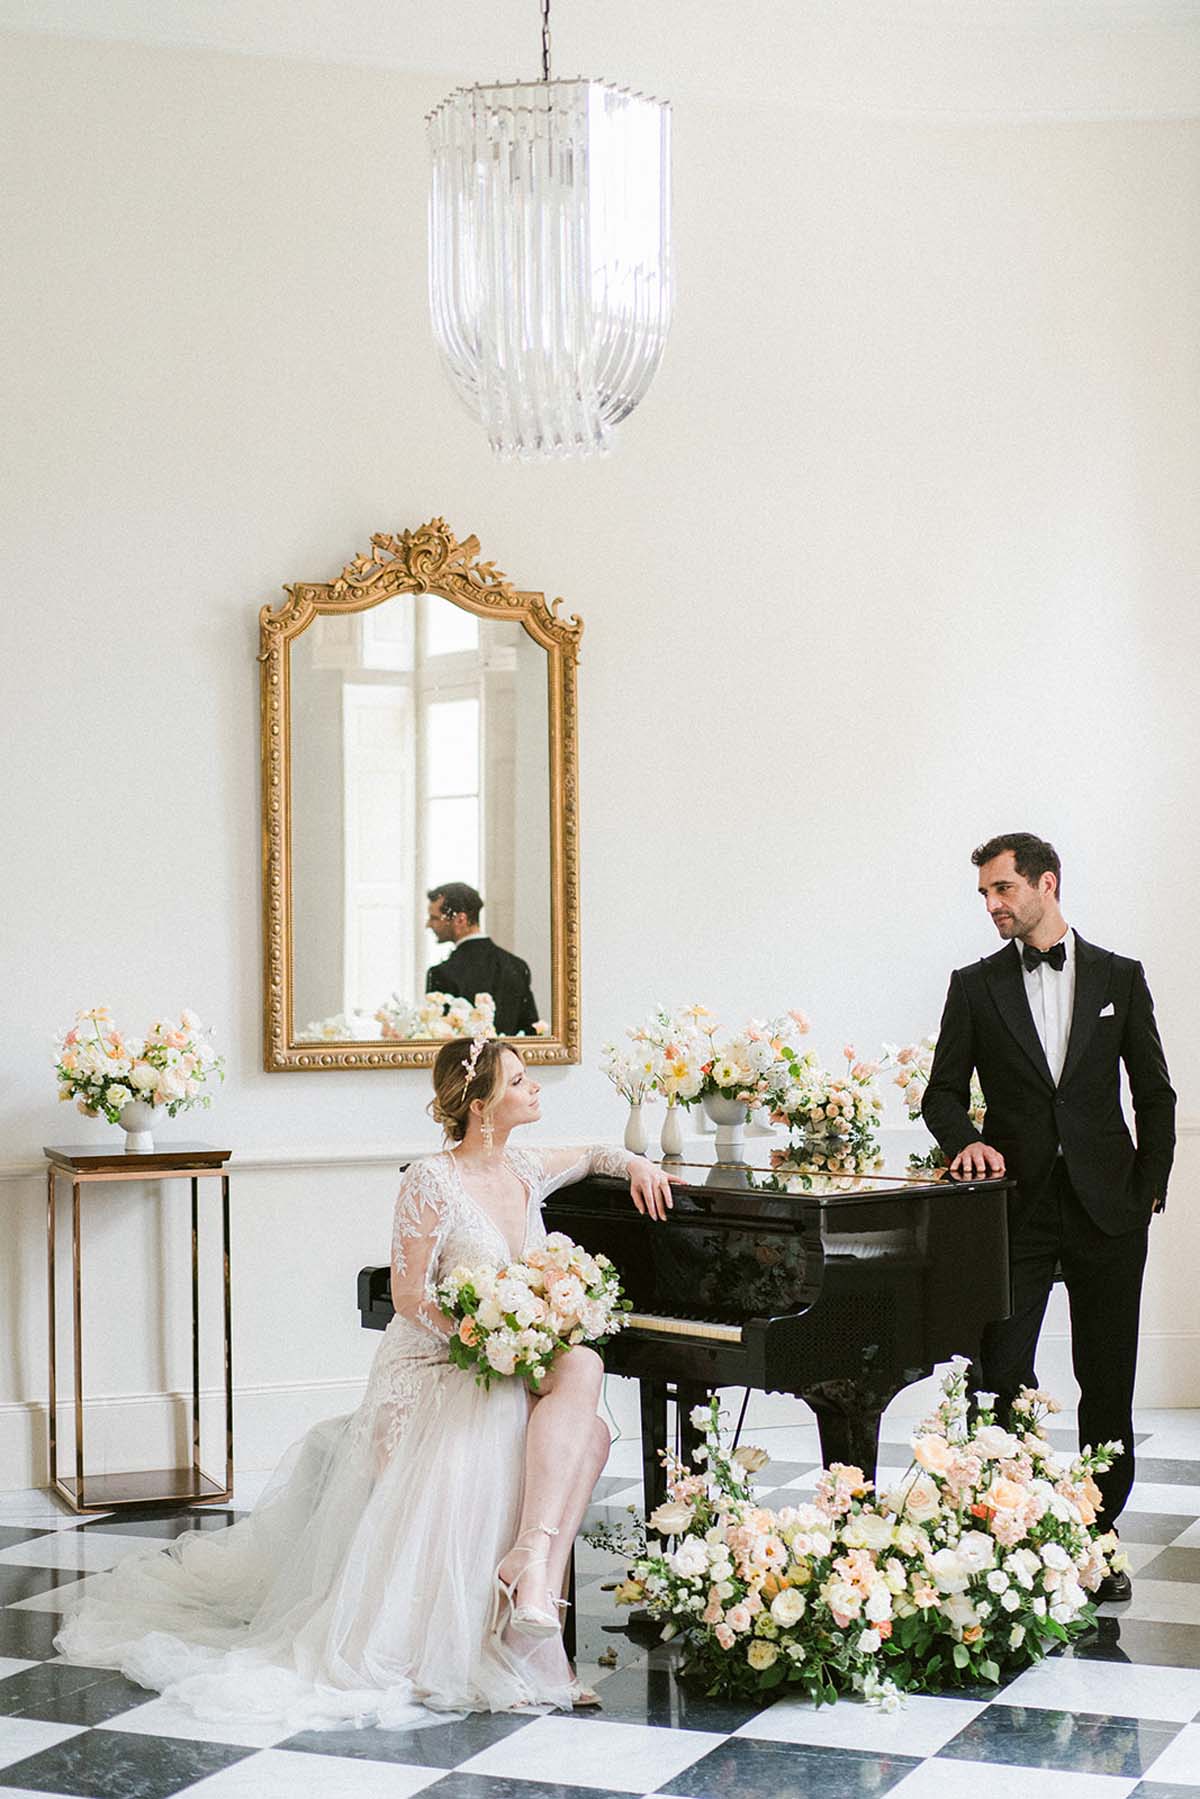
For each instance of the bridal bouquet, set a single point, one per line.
(817, 1102)
(103, 1071)
(517, 1319)
(978, 1561)
(438, 1015)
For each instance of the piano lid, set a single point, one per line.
(819, 1169)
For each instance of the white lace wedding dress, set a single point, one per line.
(360, 1588)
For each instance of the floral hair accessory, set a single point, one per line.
(477, 1044)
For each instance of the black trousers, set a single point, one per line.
(1103, 1277)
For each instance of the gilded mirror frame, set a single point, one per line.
(428, 560)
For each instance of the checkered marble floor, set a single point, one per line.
(1119, 1716)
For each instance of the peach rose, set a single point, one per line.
(468, 1332)
(1005, 1495)
(933, 1453)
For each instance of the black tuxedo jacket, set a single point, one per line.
(477, 965)
(987, 1026)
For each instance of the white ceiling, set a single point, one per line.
(905, 58)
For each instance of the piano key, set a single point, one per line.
(702, 1328)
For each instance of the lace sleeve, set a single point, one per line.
(562, 1166)
(417, 1227)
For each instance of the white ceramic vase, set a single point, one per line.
(136, 1119)
(672, 1133)
(637, 1140)
(729, 1116)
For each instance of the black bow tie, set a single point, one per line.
(1056, 957)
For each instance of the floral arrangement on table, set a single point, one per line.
(105, 1071)
(818, 1102)
(342, 1027)
(975, 1564)
(438, 1015)
(518, 1319)
(913, 1064)
(830, 1159)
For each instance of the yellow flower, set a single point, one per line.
(761, 1655)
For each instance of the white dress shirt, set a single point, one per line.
(1051, 996)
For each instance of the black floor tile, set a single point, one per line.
(112, 1764)
(12, 1534)
(644, 1694)
(1080, 1742)
(162, 1524)
(498, 1786)
(1152, 1527)
(748, 1769)
(434, 1746)
(28, 1635)
(1118, 1639)
(62, 1693)
(1170, 1471)
(23, 1583)
(1162, 1789)
(1173, 1564)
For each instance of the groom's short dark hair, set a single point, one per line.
(456, 896)
(1032, 856)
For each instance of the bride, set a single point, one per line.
(407, 1558)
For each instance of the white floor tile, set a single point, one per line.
(166, 1718)
(1156, 1496)
(922, 1725)
(88, 1549)
(1118, 1689)
(54, 1599)
(1180, 1760)
(949, 1779)
(1189, 1538)
(1164, 1602)
(11, 1664)
(289, 1774)
(20, 1737)
(626, 1758)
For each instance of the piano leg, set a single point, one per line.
(848, 1421)
(654, 1439)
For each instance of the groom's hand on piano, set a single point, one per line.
(650, 1188)
(978, 1161)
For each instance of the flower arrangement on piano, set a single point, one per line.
(632, 1073)
(828, 1159)
(979, 1561)
(818, 1102)
(105, 1071)
(516, 1320)
(913, 1063)
(438, 1015)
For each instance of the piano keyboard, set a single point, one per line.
(703, 1328)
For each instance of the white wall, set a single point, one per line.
(900, 550)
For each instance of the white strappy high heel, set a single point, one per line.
(526, 1620)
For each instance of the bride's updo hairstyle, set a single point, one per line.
(456, 1084)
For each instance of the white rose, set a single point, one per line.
(1011, 1600)
(960, 1611)
(879, 1603)
(787, 1607)
(948, 1571)
(118, 1095)
(143, 1076)
(489, 1314)
(690, 1558)
(1039, 1607)
(869, 1642)
(1055, 1556)
(998, 1445)
(868, 1531)
(997, 1580)
(761, 1655)
(976, 1551)
(501, 1354)
(1016, 1636)
(919, 1500)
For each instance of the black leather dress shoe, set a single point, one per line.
(1115, 1589)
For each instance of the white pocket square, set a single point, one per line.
(1107, 1011)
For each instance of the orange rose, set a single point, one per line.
(971, 1634)
(468, 1332)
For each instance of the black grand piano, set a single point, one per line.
(842, 1288)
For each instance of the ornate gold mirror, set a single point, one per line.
(418, 734)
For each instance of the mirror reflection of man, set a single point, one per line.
(476, 964)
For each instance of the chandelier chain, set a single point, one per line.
(545, 40)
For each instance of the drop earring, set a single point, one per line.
(489, 1136)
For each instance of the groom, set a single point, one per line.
(1046, 1023)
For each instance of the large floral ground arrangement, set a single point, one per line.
(980, 1560)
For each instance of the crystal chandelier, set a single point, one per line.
(549, 255)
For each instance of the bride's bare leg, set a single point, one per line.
(563, 1457)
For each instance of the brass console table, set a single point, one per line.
(83, 1167)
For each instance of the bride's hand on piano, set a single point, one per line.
(650, 1188)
